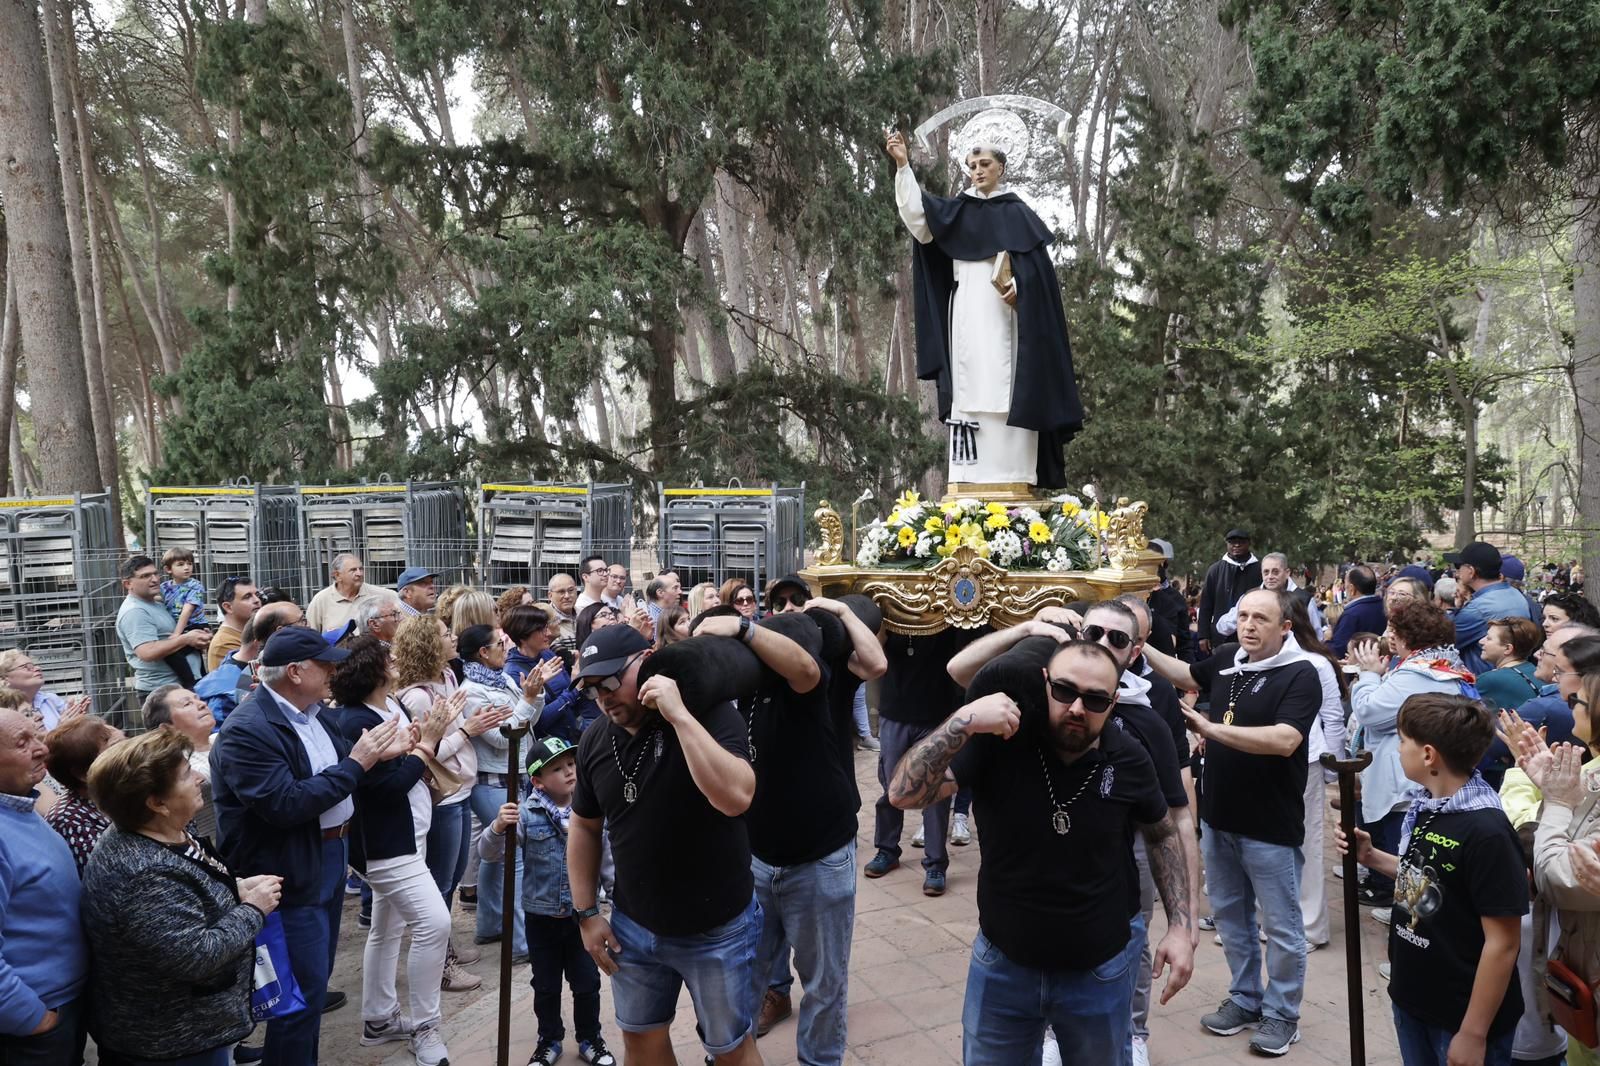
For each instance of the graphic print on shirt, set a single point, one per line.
(1418, 893)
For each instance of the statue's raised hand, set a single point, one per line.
(895, 145)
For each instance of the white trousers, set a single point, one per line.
(404, 897)
(1314, 878)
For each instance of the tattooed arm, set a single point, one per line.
(1170, 870)
(923, 777)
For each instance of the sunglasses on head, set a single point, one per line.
(1066, 693)
(1115, 637)
(784, 599)
(592, 690)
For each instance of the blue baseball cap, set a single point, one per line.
(413, 575)
(296, 644)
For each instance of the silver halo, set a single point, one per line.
(995, 127)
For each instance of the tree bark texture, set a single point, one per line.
(1586, 369)
(41, 258)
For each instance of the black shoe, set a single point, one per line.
(1375, 897)
(245, 1053)
(335, 1000)
(546, 1054)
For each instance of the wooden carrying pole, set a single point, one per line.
(1347, 770)
(508, 891)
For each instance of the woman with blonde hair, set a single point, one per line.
(474, 607)
(445, 609)
(702, 598)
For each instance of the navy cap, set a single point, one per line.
(1237, 534)
(1512, 569)
(413, 575)
(296, 644)
(1484, 558)
(607, 651)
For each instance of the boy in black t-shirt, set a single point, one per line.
(1461, 889)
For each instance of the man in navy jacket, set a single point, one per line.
(1363, 612)
(281, 784)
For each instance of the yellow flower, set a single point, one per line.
(908, 499)
(995, 508)
(947, 549)
(1102, 521)
(997, 521)
(934, 524)
(1070, 509)
(950, 508)
(1039, 533)
(894, 517)
(907, 536)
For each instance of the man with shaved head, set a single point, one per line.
(44, 961)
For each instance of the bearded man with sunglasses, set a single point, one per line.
(1264, 697)
(1060, 798)
(670, 786)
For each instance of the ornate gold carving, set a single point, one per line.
(831, 551)
(988, 492)
(1125, 539)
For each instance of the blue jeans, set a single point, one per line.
(811, 907)
(1385, 837)
(485, 801)
(859, 710)
(449, 840)
(718, 966)
(1241, 872)
(896, 739)
(1008, 1006)
(1422, 1044)
(312, 933)
(61, 1046)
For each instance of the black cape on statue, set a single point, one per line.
(1044, 393)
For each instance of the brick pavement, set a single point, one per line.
(908, 972)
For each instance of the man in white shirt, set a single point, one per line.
(338, 603)
(595, 576)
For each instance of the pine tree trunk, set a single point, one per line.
(41, 258)
(9, 326)
(988, 16)
(1586, 371)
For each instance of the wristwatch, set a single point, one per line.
(587, 912)
(747, 630)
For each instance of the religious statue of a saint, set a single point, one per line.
(990, 328)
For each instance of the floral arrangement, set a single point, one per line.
(1066, 536)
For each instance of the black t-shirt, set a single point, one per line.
(1472, 867)
(683, 867)
(1058, 901)
(1143, 725)
(1164, 699)
(1258, 796)
(917, 690)
(806, 800)
(842, 686)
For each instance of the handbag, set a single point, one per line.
(274, 993)
(442, 783)
(1571, 1002)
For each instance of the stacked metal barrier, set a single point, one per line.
(713, 534)
(391, 525)
(528, 533)
(59, 592)
(238, 530)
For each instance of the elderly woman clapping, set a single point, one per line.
(171, 932)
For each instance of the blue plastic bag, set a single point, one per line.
(274, 992)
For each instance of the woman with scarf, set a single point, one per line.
(1421, 639)
(486, 684)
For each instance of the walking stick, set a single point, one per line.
(508, 891)
(1347, 770)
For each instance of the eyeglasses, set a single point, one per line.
(1116, 637)
(1065, 692)
(595, 570)
(607, 684)
(744, 599)
(782, 600)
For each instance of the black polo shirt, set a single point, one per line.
(917, 689)
(1258, 796)
(1047, 900)
(1144, 725)
(1164, 700)
(683, 867)
(806, 801)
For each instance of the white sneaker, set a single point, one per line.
(1052, 1051)
(1382, 915)
(1141, 1052)
(391, 1029)
(1383, 970)
(917, 838)
(456, 979)
(960, 833)
(428, 1046)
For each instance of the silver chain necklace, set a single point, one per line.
(1061, 821)
(630, 791)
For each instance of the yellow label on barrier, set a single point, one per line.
(347, 490)
(716, 492)
(19, 504)
(558, 490)
(155, 491)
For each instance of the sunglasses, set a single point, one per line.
(1066, 693)
(782, 600)
(606, 684)
(744, 599)
(1575, 701)
(1116, 637)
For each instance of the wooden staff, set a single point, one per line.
(508, 891)
(1347, 770)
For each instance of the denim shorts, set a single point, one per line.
(718, 967)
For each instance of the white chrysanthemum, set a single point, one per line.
(1029, 515)
(1005, 547)
(924, 546)
(967, 503)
